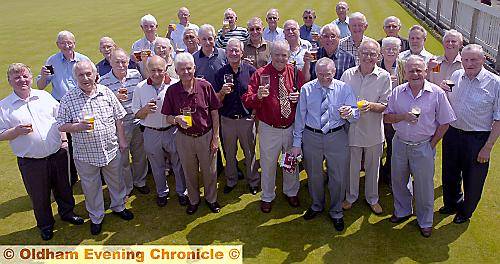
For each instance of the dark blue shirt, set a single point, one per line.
(208, 66)
(343, 61)
(305, 32)
(232, 105)
(104, 67)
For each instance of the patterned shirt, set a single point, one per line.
(272, 36)
(347, 44)
(343, 61)
(240, 33)
(100, 145)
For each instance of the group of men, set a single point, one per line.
(319, 92)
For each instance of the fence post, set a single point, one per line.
(473, 27)
(454, 13)
(438, 14)
(497, 63)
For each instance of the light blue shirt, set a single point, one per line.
(308, 111)
(272, 36)
(343, 26)
(62, 79)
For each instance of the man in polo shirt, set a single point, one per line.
(329, 39)
(257, 50)
(442, 67)
(27, 117)
(123, 81)
(272, 32)
(309, 31)
(192, 106)
(275, 105)
(342, 8)
(61, 77)
(209, 59)
(236, 120)
(320, 131)
(106, 46)
(93, 114)
(420, 114)
(417, 36)
(357, 25)
(468, 143)
(176, 33)
(392, 26)
(159, 135)
(231, 31)
(373, 85)
(298, 46)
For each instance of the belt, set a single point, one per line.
(159, 129)
(327, 132)
(463, 132)
(193, 134)
(237, 116)
(280, 127)
(410, 143)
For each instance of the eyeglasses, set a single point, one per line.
(256, 29)
(369, 54)
(392, 26)
(308, 17)
(332, 37)
(272, 18)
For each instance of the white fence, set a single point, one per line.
(478, 23)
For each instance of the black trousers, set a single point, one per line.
(40, 177)
(72, 167)
(460, 150)
(386, 167)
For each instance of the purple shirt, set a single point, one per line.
(435, 111)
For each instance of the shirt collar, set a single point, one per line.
(376, 71)
(215, 53)
(98, 91)
(14, 98)
(63, 59)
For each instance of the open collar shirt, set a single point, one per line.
(272, 36)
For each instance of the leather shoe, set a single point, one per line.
(143, 189)
(253, 190)
(228, 189)
(458, 219)
(293, 201)
(265, 207)
(338, 223)
(447, 210)
(161, 201)
(426, 231)
(376, 208)
(395, 219)
(183, 200)
(75, 219)
(125, 214)
(214, 207)
(310, 214)
(191, 209)
(95, 229)
(46, 234)
(346, 205)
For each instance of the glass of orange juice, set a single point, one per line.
(186, 116)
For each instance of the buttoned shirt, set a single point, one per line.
(144, 44)
(298, 55)
(268, 108)
(98, 146)
(446, 69)
(177, 36)
(305, 32)
(62, 79)
(202, 101)
(424, 54)
(208, 66)
(348, 45)
(39, 110)
(343, 61)
(309, 107)
(144, 93)
(272, 36)
(343, 26)
(232, 105)
(435, 111)
(262, 53)
(130, 82)
(475, 101)
(374, 87)
(240, 33)
(104, 66)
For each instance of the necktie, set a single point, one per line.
(325, 118)
(283, 97)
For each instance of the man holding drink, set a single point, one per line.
(441, 68)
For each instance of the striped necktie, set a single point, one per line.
(325, 118)
(283, 97)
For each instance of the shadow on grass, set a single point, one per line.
(16, 205)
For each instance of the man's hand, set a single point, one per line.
(44, 72)
(345, 112)
(432, 64)
(294, 97)
(122, 145)
(366, 107)
(410, 118)
(121, 96)
(22, 130)
(263, 91)
(308, 57)
(484, 154)
(83, 125)
(227, 88)
(214, 144)
(179, 119)
(65, 144)
(295, 151)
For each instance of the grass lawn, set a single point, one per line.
(28, 30)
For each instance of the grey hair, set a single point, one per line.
(342, 3)
(17, 67)
(118, 50)
(183, 57)
(419, 28)
(195, 32)
(230, 10)
(359, 15)
(332, 27)
(280, 44)
(415, 58)
(453, 32)
(255, 19)
(392, 18)
(63, 34)
(368, 41)
(237, 41)
(474, 48)
(166, 40)
(80, 63)
(391, 40)
(325, 61)
(271, 10)
(148, 18)
(291, 21)
(207, 28)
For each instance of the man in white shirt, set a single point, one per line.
(27, 120)
(417, 36)
(272, 32)
(176, 31)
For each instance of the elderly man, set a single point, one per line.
(329, 48)
(257, 50)
(191, 40)
(417, 36)
(357, 25)
(372, 86)
(106, 46)
(159, 136)
(93, 114)
(441, 68)
(392, 26)
(230, 30)
(27, 119)
(57, 71)
(209, 59)
(323, 110)
(236, 120)
(192, 105)
(309, 31)
(149, 26)
(176, 31)
(272, 32)
(342, 8)
(298, 46)
(123, 82)
(163, 48)
(420, 114)
(468, 143)
(275, 101)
